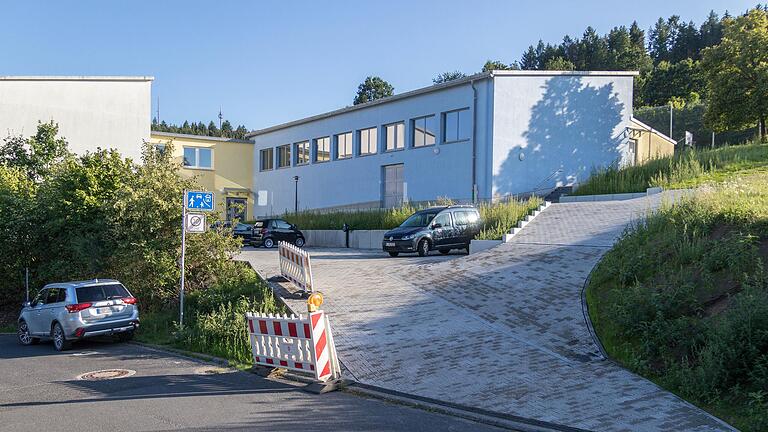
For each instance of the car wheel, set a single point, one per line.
(394, 254)
(445, 251)
(299, 242)
(25, 337)
(269, 243)
(423, 247)
(125, 336)
(60, 341)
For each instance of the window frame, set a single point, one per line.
(386, 137)
(413, 129)
(444, 126)
(360, 141)
(196, 165)
(350, 145)
(297, 153)
(316, 148)
(278, 149)
(271, 159)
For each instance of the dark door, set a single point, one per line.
(442, 229)
(465, 224)
(283, 231)
(237, 209)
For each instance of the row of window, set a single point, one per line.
(456, 126)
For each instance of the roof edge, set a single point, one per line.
(563, 73)
(198, 137)
(650, 129)
(75, 78)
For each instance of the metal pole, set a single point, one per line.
(670, 120)
(713, 139)
(26, 281)
(296, 195)
(183, 253)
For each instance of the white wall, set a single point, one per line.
(572, 123)
(106, 112)
(430, 172)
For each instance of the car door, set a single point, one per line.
(285, 231)
(50, 309)
(442, 229)
(34, 317)
(461, 226)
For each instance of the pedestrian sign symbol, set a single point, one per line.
(197, 200)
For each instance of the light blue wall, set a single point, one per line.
(563, 125)
(442, 170)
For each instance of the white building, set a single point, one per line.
(92, 111)
(481, 137)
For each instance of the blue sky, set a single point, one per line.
(269, 62)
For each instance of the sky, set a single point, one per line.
(268, 62)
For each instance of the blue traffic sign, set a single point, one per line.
(197, 200)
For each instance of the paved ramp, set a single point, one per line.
(502, 330)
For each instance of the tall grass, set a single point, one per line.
(498, 218)
(685, 169)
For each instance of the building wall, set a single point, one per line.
(441, 170)
(651, 144)
(232, 171)
(92, 112)
(552, 130)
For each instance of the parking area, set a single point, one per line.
(502, 330)
(40, 391)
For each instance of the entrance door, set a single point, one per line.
(236, 209)
(392, 181)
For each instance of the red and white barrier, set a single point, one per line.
(295, 266)
(296, 343)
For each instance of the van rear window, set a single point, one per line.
(96, 293)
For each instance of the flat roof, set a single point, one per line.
(75, 78)
(437, 87)
(198, 137)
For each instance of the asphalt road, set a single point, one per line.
(40, 391)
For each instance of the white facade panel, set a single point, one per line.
(430, 172)
(553, 130)
(92, 112)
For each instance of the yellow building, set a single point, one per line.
(220, 165)
(647, 143)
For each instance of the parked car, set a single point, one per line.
(268, 232)
(441, 228)
(241, 230)
(70, 311)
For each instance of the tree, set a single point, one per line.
(371, 89)
(212, 129)
(491, 65)
(736, 72)
(659, 40)
(35, 155)
(559, 64)
(674, 80)
(448, 76)
(530, 59)
(226, 129)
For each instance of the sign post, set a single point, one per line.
(194, 223)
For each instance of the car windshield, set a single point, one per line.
(420, 219)
(96, 293)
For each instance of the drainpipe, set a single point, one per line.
(474, 142)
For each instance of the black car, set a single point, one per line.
(268, 232)
(441, 228)
(241, 230)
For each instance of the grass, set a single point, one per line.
(498, 218)
(214, 320)
(682, 299)
(683, 170)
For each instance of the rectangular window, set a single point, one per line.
(322, 149)
(424, 131)
(198, 157)
(344, 145)
(457, 125)
(284, 156)
(267, 159)
(394, 136)
(302, 152)
(368, 141)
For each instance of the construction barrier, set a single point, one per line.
(295, 266)
(296, 343)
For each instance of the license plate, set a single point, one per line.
(389, 244)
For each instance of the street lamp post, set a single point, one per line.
(296, 194)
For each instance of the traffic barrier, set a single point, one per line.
(295, 266)
(296, 343)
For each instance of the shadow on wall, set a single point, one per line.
(572, 130)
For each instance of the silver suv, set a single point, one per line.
(66, 312)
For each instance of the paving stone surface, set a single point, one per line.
(502, 330)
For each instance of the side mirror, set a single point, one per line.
(437, 225)
(26, 304)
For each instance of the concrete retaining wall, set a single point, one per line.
(610, 197)
(476, 246)
(358, 239)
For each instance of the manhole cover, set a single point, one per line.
(106, 374)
